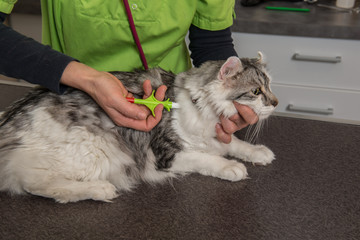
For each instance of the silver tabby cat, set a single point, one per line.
(66, 148)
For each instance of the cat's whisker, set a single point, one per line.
(266, 123)
(171, 183)
(260, 127)
(253, 131)
(247, 134)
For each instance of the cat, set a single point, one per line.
(65, 147)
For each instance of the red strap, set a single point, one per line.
(135, 35)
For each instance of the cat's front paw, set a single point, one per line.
(261, 155)
(103, 191)
(234, 171)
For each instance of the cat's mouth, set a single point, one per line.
(265, 112)
(261, 110)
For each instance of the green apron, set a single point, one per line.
(6, 6)
(97, 33)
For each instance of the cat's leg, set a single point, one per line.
(257, 154)
(63, 190)
(210, 165)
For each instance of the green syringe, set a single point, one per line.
(151, 102)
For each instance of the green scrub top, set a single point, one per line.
(97, 33)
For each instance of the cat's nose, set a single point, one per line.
(274, 101)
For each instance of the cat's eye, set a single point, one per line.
(256, 91)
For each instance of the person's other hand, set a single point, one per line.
(111, 95)
(227, 126)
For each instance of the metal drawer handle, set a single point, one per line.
(327, 111)
(300, 57)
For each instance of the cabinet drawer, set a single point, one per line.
(321, 103)
(280, 50)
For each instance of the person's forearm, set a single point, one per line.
(24, 58)
(81, 76)
(210, 45)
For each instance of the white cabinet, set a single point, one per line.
(326, 85)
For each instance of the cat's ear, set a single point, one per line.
(261, 58)
(231, 67)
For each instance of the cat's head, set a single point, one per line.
(245, 81)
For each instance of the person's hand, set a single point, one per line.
(111, 95)
(227, 126)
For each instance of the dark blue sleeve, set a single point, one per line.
(210, 45)
(2, 17)
(24, 58)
